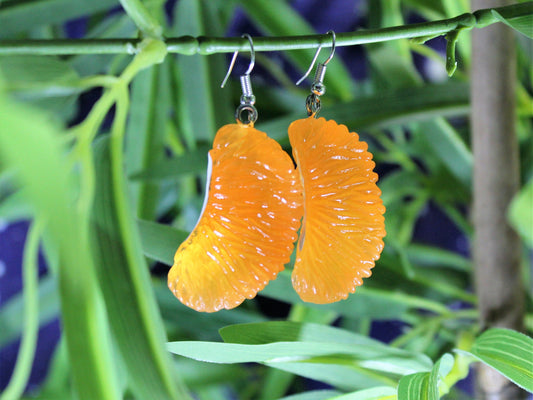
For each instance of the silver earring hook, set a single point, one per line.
(234, 58)
(331, 54)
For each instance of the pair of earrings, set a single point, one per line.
(256, 201)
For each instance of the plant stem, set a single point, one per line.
(210, 45)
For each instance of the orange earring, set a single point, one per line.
(343, 223)
(249, 220)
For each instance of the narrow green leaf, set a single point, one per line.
(313, 395)
(508, 352)
(30, 277)
(145, 135)
(192, 162)
(15, 207)
(205, 105)
(160, 242)
(450, 149)
(230, 353)
(201, 326)
(288, 331)
(47, 82)
(20, 16)
(11, 312)
(198, 375)
(521, 213)
(371, 357)
(35, 72)
(377, 393)
(43, 172)
(142, 18)
(125, 284)
(343, 374)
(523, 24)
(430, 256)
(390, 107)
(366, 302)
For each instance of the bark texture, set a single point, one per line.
(496, 247)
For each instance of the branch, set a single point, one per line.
(496, 247)
(210, 45)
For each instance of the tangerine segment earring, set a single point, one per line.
(249, 222)
(343, 224)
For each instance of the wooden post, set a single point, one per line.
(496, 247)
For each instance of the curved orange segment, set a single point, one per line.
(343, 225)
(248, 226)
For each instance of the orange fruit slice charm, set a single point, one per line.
(247, 228)
(343, 224)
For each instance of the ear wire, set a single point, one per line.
(247, 98)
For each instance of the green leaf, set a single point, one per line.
(15, 207)
(430, 256)
(201, 326)
(137, 11)
(44, 174)
(203, 106)
(313, 395)
(125, 284)
(521, 213)
(388, 108)
(20, 16)
(439, 371)
(145, 135)
(160, 242)
(442, 139)
(198, 375)
(230, 353)
(366, 302)
(330, 355)
(346, 366)
(47, 82)
(508, 352)
(414, 387)
(376, 393)
(12, 312)
(288, 331)
(375, 357)
(425, 385)
(36, 72)
(194, 161)
(523, 24)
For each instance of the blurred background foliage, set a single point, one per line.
(127, 140)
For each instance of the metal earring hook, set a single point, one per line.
(331, 54)
(234, 58)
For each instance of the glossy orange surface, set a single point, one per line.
(343, 225)
(250, 220)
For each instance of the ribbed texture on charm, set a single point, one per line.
(247, 231)
(343, 224)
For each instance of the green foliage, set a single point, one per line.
(508, 352)
(112, 201)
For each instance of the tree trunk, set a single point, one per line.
(496, 247)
